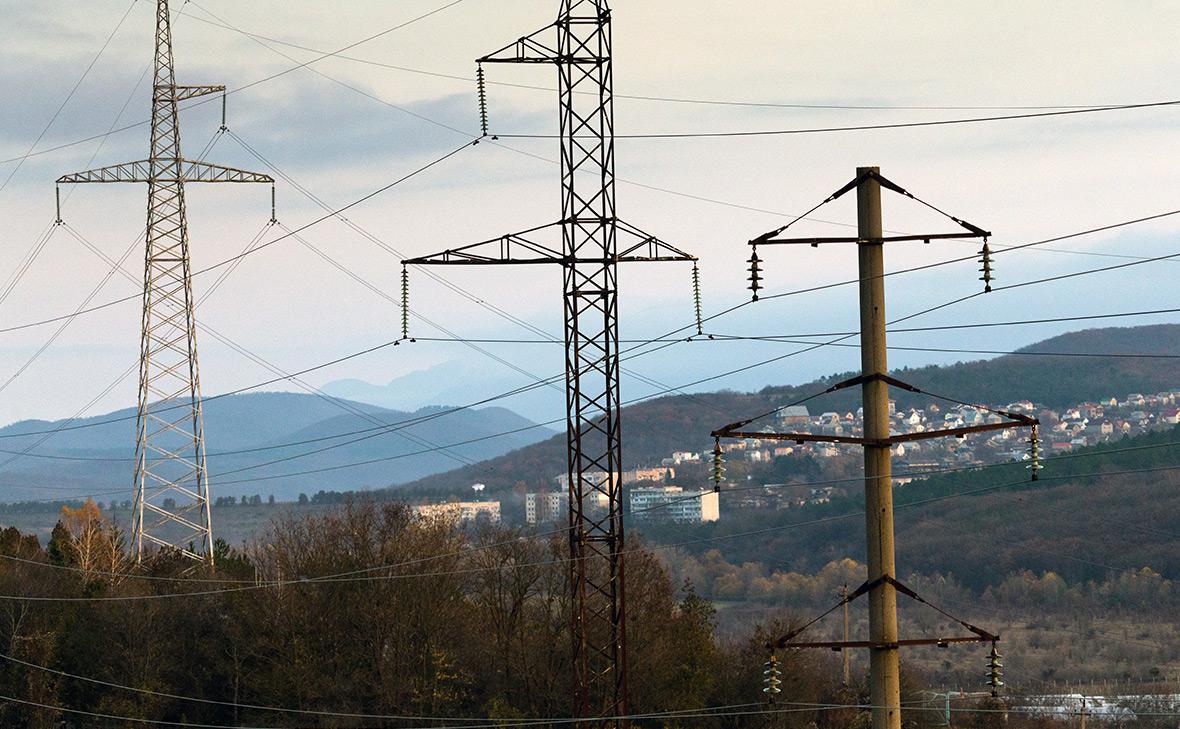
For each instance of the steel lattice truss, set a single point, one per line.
(579, 45)
(171, 481)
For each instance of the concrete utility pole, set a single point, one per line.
(882, 585)
(883, 661)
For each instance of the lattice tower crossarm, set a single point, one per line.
(171, 481)
(578, 44)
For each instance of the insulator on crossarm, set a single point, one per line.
(718, 465)
(696, 296)
(755, 273)
(1034, 453)
(995, 671)
(985, 259)
(771, 679)
(483, 100)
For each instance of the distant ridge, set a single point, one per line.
(259, 422)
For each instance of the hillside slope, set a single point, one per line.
(1044, 373)
(1094, 513)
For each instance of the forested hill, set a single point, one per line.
(1056, 372)
(1094, 513)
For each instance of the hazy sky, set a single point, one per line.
(1024, 180)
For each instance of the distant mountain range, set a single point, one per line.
(94, 455)
(1055, 372)
(453, 383)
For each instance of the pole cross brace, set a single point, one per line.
(1015, 420)
(979, 635)
(972, 231)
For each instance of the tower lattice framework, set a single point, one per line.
(578, 44)
(171, 481)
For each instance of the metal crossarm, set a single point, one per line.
(970, 230)
(183, 93)
(148, 171)
(522, 249)
(171, 481)
(977, 634)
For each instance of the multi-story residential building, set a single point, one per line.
(546, 507)
(462, 512)
(672, 503)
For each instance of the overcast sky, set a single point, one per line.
(341, 128)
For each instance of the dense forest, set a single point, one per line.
(365, 615)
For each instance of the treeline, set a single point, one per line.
(363, 610)
(353, 616)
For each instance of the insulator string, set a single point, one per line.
(696, 297)
(481, 89)
(755, 274)
(985, 258)
(405, 303)
(995, 671)
(1034, 453)
(718, 465)
(771, 680)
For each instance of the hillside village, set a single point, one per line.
(677, 488)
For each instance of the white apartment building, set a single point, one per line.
(463, 512)
(675, 504)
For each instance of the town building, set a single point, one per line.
(546, 507)
(462, 512)
(672, 503)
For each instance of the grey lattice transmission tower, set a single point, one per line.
(171, 482)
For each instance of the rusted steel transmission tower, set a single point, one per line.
(171, 483)
(578, 44)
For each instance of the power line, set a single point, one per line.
(240, 88)
(813, 345)
(244, 254)
(20, 161)
(866, 127)
(942, 471)
(637, 97)
(340, 714)
(351, 576)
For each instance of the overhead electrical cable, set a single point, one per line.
(251, 84)
(20, 161)
(261, 246)
(726, 492)
(353, 576)
(809, 348)
(867, 127)
(637, 97)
